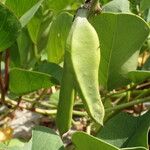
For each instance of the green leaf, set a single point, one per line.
(148, 16)
(57, 4)
(20, 7)
(24, 81)
(52, 69)
(24, 20)
(15, 142)
(44, 139)
(57, 37)
(9, 28)
(145, 4)
(121, 36)
(44, 32)
(124, 130)
(24, 47)
(119, 6)
(139, 76)
(54, 98)
(83, 141)
(34, 26)
(147, 65)
(14, 56)
(24, 9)
(3, 1)
(5, 147)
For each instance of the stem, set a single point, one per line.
(122, 91)
(129, 104)
(143, 85)
(4, 83)
(128, 93)
(143, 93)
(7, 62)
(36, 51)
(79, 113)
(44, 91)
(1, 82)
(10, 111)
(54, 112)
(43, 111)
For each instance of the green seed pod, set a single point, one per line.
(82, 58)
(66, 98)
(84, 48)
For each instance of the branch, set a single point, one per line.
(129, 104)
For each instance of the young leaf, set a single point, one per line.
(9, 28)
(24, 81)
(121, 36)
